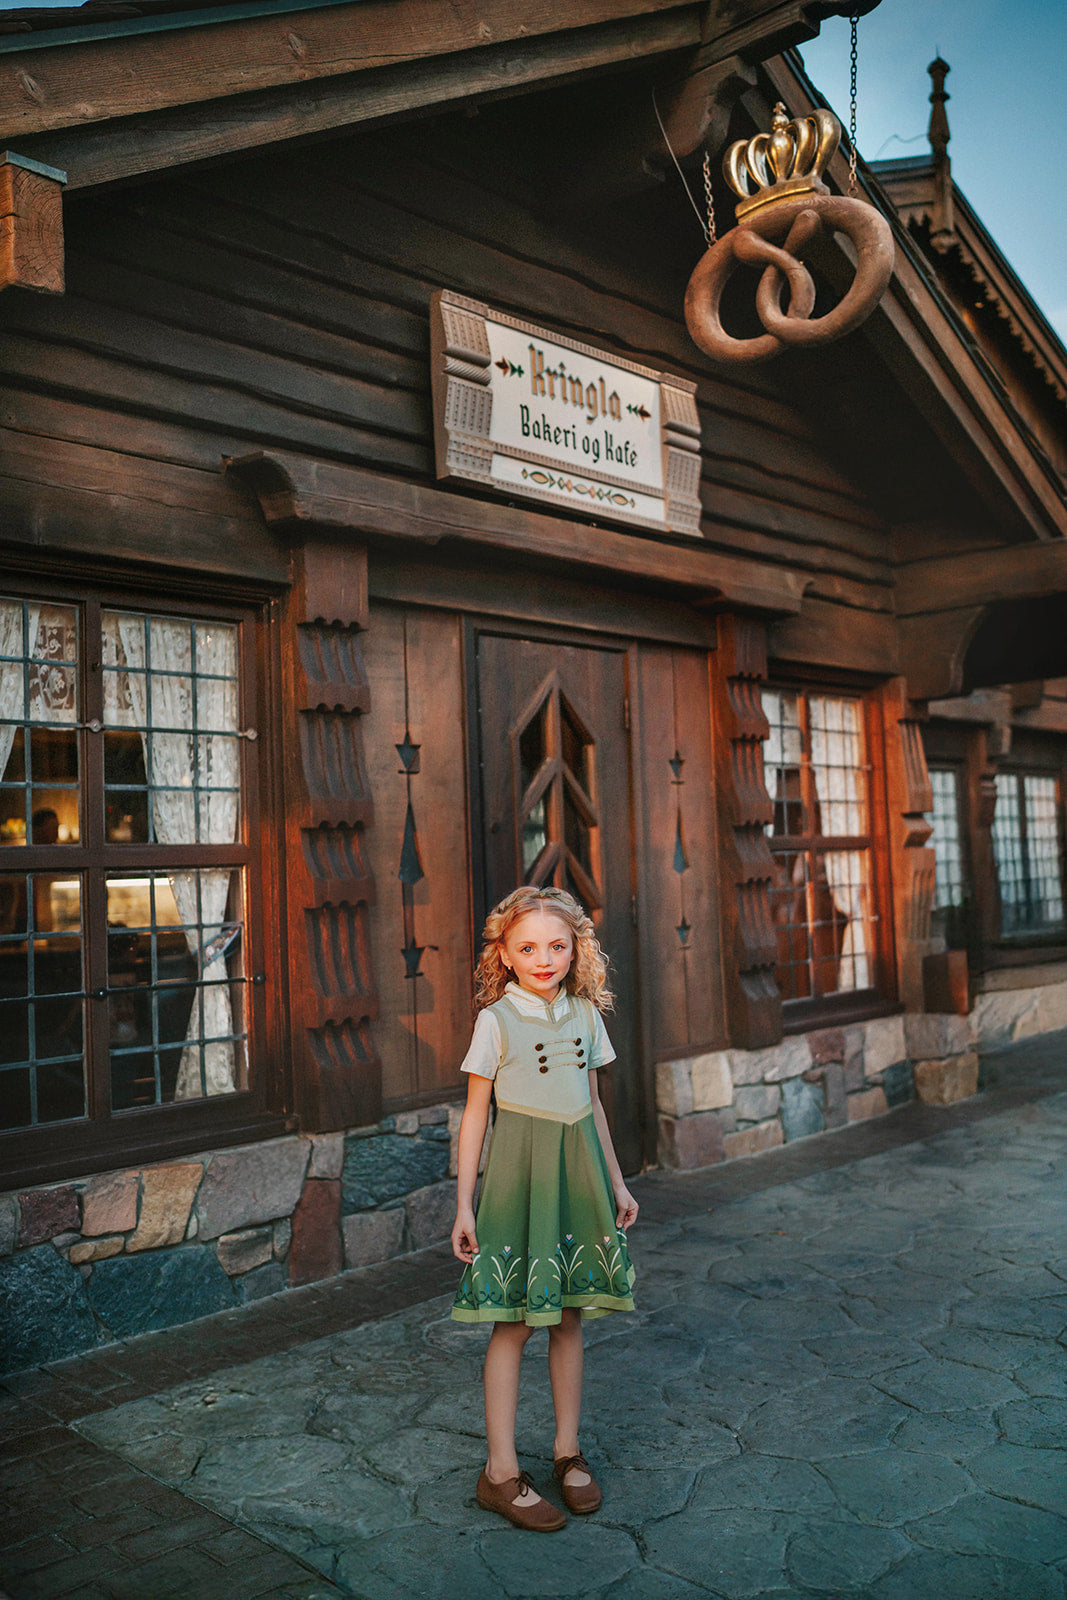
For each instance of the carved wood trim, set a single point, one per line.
(739, 666)
(327, 807)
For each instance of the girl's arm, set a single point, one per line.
(626, 1205)
(471, 1138)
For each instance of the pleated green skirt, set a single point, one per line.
(546, 1228)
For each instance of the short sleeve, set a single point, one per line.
(483, 1057)
(601, 1052)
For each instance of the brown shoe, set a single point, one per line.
(540, 1517)
(581, 1498)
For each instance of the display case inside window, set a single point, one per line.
(124, 866)
(823, 895)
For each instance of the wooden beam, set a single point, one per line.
(101, 79)
(933, 649)
(176, 136)
(979, 577)
(299, 493)
(31, 225)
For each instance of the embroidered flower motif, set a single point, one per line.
(507, 1249)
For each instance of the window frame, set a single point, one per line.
(1047, 934)
(104, 1139)
(841, 1007)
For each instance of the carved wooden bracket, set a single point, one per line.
(31, 225)
(754, 1006)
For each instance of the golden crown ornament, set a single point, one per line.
(783, 206)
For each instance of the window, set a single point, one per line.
(1026, 846)
(822, 897)
(124, 882)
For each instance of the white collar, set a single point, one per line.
(532, 1005)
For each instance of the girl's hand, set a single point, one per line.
(464, 1238)
(627, 1208)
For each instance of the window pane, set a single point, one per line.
(782, 752)
(534, 836)
(576, 748)
(837, 761)
(174, 684)
(821, 905)
(532, 747)
(1008, 853)
(945, 839)
(1043, 850)
(175, 951)
(42, 1002)
(789, 913)
(38, 706)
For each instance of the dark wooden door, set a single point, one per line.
(555, 809)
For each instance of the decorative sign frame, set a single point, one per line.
(530, 413)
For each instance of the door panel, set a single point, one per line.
(555, 793)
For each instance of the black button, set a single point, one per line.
(542, 1069)
(539, 1047)
(577, 1041)
(542, 1058)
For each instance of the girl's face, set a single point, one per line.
(539, 948)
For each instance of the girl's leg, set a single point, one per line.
(502, 1362)
(565, 1361)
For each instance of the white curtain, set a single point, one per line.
(194, 799)
(11, 672)
(837, 762)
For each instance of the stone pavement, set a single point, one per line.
(846, 1378)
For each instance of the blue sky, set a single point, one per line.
(1009, 67)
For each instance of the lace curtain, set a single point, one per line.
(11, 679)
(838, 769)
(193, 778)
(49, 646)
(837, 765)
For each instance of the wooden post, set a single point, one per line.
(337, 1075)
(31, 224)
(753, 1003)
(909, 797)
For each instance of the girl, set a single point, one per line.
(549, 1243)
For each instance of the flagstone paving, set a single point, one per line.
(850, 1384)
(848, 1380)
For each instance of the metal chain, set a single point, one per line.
(854, 20)
(709, 196)
(707, 229)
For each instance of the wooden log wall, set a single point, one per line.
(282, 304)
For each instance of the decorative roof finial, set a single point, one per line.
(938, 132)
(943, 229)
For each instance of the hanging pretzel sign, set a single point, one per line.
(784, 206)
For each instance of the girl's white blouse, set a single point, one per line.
(486, 1048)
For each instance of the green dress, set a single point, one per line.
(546, 1217)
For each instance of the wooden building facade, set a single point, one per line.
(285, 714)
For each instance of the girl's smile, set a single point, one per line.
(539, 949)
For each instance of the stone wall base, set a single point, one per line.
(1002, 1016)
(110, 1256)
(731, 1103)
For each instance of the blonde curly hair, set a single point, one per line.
(588, 975)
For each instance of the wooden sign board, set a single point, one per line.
(534, 414)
